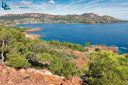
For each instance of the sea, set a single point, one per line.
(114, 34)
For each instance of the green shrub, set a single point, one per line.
(87, 44)
(44, 57)
(56, 65)
(18, 62)
(69, 69)
(106, 69)
(67, 44)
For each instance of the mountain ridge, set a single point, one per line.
(86, 18)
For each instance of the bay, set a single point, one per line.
(115, 34)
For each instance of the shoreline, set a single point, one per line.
(32, 30)
(28, 33)
(68, 23)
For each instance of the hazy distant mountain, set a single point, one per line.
(86, 18)
(90, 15)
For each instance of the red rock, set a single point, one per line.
(22, 71)
(73, 81)
(1, 67)
(10, 76)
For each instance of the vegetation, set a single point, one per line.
(20, 52)
(68, 45)
(107, 68)
(104, 68)
(87, 44)
(18, 62)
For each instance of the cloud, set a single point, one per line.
(115, 8)
(51, 1)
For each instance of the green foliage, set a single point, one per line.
(17, 61)
(44, 57)
(20, 37)
(67, 44)
(87, 44)
(63, 68)
(106, 68)
(20, 52)
(58, 65)
(69, 69)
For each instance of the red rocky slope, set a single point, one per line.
(10, 76)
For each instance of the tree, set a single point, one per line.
(19, 52)
(17, 61)
(5, 39)
(106, 68)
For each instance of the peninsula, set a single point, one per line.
(28, 33)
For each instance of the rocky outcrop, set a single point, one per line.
(11, 76)
(73, 81)
(106, 48)
(102, 47)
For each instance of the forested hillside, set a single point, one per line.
(62, 58)
(20, 52)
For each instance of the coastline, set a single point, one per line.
(28, 33)
(32, 30)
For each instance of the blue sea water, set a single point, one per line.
(115, 34)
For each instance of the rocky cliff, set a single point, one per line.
(11, 76)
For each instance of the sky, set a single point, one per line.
(115, 8)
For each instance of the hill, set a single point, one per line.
(86, 18)
(26, 61)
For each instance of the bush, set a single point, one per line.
(18, 62)
(106, 69)
(68, 44)
(69, 69)
(44, 57)
(58, 65)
